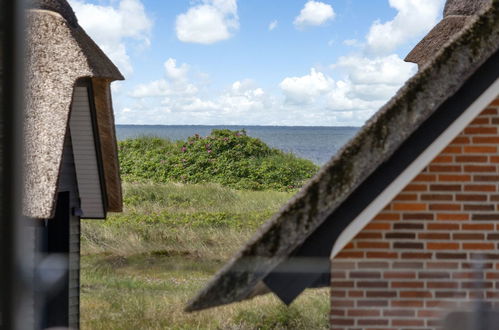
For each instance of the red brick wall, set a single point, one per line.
(414, 262)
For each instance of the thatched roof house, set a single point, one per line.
(59, 54)
(70, 156)
(383, 165)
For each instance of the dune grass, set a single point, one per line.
(140, 268)
(149, 292)
(205, 220)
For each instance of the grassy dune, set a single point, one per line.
(229, 158)
(139, 268)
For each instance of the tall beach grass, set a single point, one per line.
(140, 268)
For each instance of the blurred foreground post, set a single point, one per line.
(482, 317)
(15, 261)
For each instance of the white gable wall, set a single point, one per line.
(85, 155)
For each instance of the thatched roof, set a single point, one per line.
(241, 278)
(59, 53)
(456, 14)
(464, 7)
(436, 39)
(58, 6)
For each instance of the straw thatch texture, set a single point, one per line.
(464, 7)
(374, 143)
(58, 55)
(58, 6)
(456, 13)
(436, 39)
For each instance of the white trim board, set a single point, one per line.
(394, 188)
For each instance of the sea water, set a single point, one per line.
(317, 144)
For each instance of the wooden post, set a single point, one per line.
(15, 285)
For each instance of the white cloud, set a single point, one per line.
(160, 88)
(180, 95)
(361, 86)
(391, 70)
(112, 27)
(175, 84)
(242, 97)
(370, 78)
(273, 25)
(345, 96)
(229, 107)
(366, 84)
(365, 81)
(176, 73)
(194, 104)
(314, 13)
(304, 89)
(369, 82)
(152, 89)
(414, 18)
(179, 99)
(208, 21)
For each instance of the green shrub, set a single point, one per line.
(229, 158)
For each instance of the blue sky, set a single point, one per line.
(256, 62)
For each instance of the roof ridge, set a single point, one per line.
(59, 6)
(464, 7)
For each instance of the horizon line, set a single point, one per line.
(238, 125)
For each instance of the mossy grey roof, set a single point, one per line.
(241, 278)
(456, 15)
(59, 52)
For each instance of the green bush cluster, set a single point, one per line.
(230, 158)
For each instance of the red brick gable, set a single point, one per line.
(413, 263)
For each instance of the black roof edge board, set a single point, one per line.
(288, 285)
